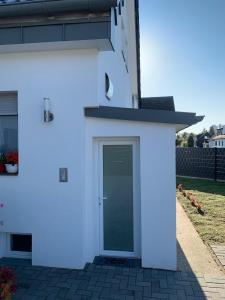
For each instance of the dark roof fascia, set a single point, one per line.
(143, 115)
(138, 48)
(50, 7)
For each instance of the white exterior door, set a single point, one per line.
(118, 198)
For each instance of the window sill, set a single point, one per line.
(8, 174)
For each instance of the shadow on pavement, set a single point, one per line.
(100, 280)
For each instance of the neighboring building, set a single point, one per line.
(221, 130)
(217, 141)
(91, 180)
(202, 140)
(205, 143)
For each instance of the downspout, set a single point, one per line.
(138, 51)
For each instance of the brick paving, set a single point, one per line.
(219, 251)
(101, 280)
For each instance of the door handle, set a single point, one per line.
(101, 199)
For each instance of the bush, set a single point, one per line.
(7, 283)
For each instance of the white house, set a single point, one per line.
(217, 141)
(90, 182)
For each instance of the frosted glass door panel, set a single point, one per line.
(118, 198)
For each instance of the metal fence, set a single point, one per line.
(201, 162)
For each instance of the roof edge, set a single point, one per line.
(218, 137)
(28, 8)
(185, 119)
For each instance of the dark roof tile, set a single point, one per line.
(158, 103)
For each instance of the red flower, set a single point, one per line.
(6, 275)
(13, 289)
(7, 283)
(12, 158)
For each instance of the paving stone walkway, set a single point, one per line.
(111, 282)
(125, 279)
(220, 253)
(193, 255)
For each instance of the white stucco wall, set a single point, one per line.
(124, 80)
(34, 201)
(63, 217)
(108, 63)
(157, 189)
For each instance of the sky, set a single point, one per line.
(183, 55)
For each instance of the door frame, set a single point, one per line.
(136, 196)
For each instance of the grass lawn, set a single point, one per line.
(211, 195)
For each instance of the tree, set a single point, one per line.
(178, 141)
(212, 130)
(190, 141)
(184, 135)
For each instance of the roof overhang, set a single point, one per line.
(51, 7)
(218, 137)
(180, 120)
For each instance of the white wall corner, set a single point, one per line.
(158, 201)
(2, 244)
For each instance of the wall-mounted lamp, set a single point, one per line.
(48, 115)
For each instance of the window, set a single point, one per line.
(8, 127)
(21, 242)
(18, 245)
(109, 89)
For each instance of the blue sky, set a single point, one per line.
(183, 55)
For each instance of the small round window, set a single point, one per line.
(108, 87)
